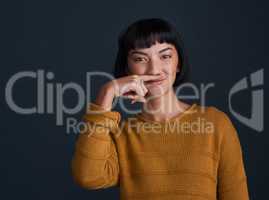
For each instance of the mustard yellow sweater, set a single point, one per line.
(193, 156)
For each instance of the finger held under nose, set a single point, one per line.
(151, 77)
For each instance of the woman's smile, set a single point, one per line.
(155, 82)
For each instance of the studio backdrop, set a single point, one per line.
(57, 55)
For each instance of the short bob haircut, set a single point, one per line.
(143, 34)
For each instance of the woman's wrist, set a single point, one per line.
(105, 97)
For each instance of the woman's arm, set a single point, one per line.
(95, 161)
(232, 179)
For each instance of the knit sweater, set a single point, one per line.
(195, 155)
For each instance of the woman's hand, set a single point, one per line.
(133, 87)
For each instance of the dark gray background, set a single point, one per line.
(226, 41)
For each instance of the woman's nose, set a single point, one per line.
(154, 67)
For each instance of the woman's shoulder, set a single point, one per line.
(220, 118)
(217, 116)
(212, 110)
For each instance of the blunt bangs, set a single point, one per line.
(145, 33)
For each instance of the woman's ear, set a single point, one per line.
(179, 65)
(178, 70)
(127, 71)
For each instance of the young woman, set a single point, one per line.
(158, 153)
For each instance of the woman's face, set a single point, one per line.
(160, 58)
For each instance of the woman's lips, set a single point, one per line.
(155, 82)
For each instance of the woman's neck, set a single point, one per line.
(164, 107)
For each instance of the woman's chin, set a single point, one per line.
(156, 90)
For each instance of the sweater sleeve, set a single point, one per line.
(95, 163)
(232, 179)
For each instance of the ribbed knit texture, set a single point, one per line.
(161, 160)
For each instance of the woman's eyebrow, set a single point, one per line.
(138, 52)
(142, 53)
(168, 48)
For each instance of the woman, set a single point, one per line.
(145, 154)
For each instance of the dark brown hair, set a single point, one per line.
(143, 34)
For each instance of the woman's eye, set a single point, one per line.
(166, 56)
(139, 59)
